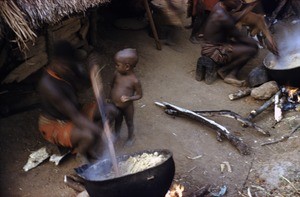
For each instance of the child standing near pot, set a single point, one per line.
(126, 88)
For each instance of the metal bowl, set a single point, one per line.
(151, 182)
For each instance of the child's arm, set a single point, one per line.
(138, 93)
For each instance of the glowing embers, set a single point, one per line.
(290, 99)
(176, 190)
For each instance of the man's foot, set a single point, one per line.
(234, 81)
(130, 141)
(194, 40)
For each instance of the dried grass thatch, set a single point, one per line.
(23, 16)
(52, 11)
(15, 18)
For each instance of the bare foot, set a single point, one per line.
(233, 81)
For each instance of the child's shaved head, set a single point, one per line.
(127, 56)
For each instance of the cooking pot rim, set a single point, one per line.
(166, 153)
(270, 56)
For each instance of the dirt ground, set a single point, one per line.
(168, 75)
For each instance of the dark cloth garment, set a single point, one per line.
(219, 53)
(58, 131)
(64, 88)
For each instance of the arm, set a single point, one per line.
(238, 36)
(138, 93)
(64, 105)
(237, 15)
(278, 9)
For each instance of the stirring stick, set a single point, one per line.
(98, 91)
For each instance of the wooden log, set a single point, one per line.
(240, 94)
(20, 102)
(234, 140)
(277, 108)
(33, 49)
(65, 22)
(77, 186)
(233, 115)
(65, 31)
(26, 68)
(262, 108)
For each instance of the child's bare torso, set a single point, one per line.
(123, 85)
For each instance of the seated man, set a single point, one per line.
(224, 44)
(63, 121)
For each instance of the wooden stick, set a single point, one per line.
(231, 114)
(98, 91)
(284, 137)
(240, 94)
(277, 108)
(267, 104)
(152, 25)
(237, 142)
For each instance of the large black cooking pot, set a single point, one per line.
(284, 72)
(151, 182)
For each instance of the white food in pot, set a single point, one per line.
(138, 163)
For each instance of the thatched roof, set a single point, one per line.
(24, 16)
(51, 11)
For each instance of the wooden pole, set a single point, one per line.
(153, 28)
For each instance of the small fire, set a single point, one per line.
(175, 191)
(293, 94)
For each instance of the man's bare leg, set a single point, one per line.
(232, 79)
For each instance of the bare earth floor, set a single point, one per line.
(168, 75)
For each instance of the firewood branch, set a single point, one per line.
(240, 94)
(283, 138)
(234, 140)
(233, 115)
(262, 108)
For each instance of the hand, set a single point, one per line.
(272, 46)
(124, 98)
